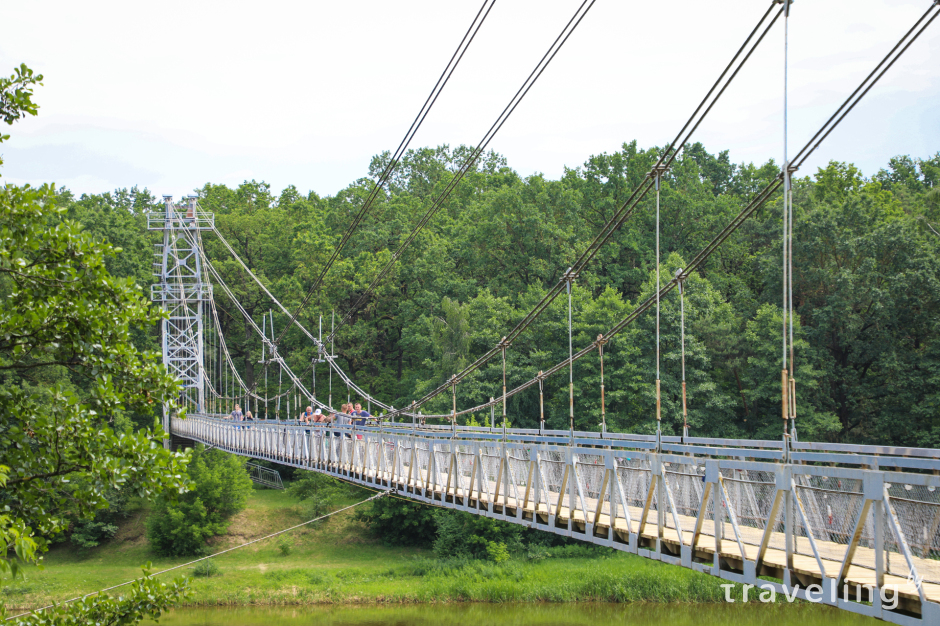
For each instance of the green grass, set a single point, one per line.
(339, 562)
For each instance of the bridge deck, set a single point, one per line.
(603, 493)
(861, 572)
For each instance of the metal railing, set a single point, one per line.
(265, 476)
(859, 521)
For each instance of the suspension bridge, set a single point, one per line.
(856, 527)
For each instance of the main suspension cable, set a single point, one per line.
(474, 156)
(396, 157)
(757, 201)
(626, 209)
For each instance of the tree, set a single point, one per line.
(221, 487)
(399, 522)
(464, 535)
(67, 368)
(317, 492)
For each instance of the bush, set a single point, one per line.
(497, 551)
(89, 533)
(466, 535)
(400, 522)
(284, 546)
(317, 493)
(205, 569)
(221, 489)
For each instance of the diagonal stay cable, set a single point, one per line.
(629, 205)
(474, 155)
(869, 82)
(328, 357)
(268, 342)
(758, 200)
(396, 157)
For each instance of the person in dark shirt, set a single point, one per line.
(361, 415)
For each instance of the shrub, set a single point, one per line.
(284, 546)
(221, 489)
(317, 493)
(205, 569)
(497, 551)
(399, 522)
(466, 535)
(89, 533)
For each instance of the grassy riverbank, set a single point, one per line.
(340, 562)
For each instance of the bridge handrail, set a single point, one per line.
(929, 453)
(805, 452)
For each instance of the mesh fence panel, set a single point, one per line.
(405, 454)
(464, 468)
(490, 459)
(422, 460)
(441, 467)
(751, 501)
(895, 563)
(709, 525)
(374, 446)
(687, 486)
(634, 476)
(359, 452)
(347, 450)
(590, 472)
(553, 473)
(832, 507)
(918, 511)
(518, 471)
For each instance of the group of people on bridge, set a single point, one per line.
(350, 414)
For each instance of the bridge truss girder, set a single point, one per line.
(852, 531)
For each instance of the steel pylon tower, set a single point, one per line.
(181, 292)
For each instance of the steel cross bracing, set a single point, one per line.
(181, 293)
(864, 525)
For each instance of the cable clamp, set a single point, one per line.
(680, 278)
(792, 169)
(658, 169)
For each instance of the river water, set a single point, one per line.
(572, 614)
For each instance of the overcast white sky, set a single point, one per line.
(172, 95)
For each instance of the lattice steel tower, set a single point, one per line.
(181, 291)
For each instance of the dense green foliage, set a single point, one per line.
(466, 535)
(866, 288)
(69, 375)
(221, 487)
(458, 536)
(89, 533)
(400, 522)
(318, 493)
